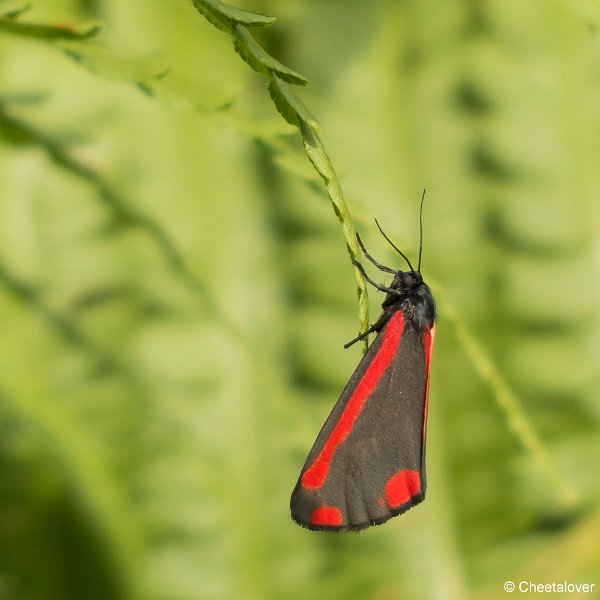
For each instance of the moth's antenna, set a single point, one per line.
(394, 246)
(421, 231)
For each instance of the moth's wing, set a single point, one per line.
(368, 462)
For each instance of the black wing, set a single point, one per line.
(368, 462)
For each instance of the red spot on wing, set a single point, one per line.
(314, 477)
(428, 339)
(402, 486)
(326, 515)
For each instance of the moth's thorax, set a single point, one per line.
(414, 299)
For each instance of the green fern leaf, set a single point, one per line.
(260, 61)
(237, 15)
(289, 105)
(49, 33)
(213, 16)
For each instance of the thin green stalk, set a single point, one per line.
(510, 405)
(236, 23)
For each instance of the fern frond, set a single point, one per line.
(294, 112)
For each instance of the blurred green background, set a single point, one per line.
(175, 292)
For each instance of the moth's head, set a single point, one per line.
(409, 279)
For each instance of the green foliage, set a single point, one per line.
(291, 108)
(13, 9)
(174, 295)
(226, 17)
(9, 23)
(259, 60)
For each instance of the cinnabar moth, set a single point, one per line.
(368, 462)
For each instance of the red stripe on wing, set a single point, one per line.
(428, 339)
(315, 476)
